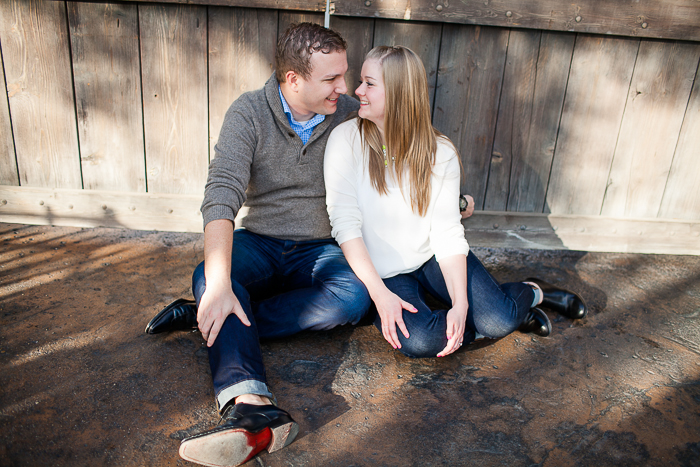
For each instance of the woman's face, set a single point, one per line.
(371, 93)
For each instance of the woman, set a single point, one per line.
(392, 184)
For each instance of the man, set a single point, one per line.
(282, 273)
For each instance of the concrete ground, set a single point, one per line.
(82, 385)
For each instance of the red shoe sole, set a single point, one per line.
(226, 448)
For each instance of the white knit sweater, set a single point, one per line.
(398, 240)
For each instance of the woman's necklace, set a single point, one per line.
(386, 159)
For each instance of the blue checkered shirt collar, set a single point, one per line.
(303, 129)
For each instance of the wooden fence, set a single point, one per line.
(113, 110)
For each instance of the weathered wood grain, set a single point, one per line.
(358, 33)
(299, 5)
(97, 208)
(530, 168)
(682, 194)
(106, 74)
(599, 80)
(553, 66)
(422, 38)
(671, 19)
(8, 160)
(583, 233)
(241, 58)
(34, 40)
(287, 17)
(469, 82)
(656, 104)
(514, 116)
(180, 213)
(174, 73)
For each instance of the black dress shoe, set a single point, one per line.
(245, 430)
(537, 322)
(180, 314)
(562, 301)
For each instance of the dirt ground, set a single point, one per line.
(82, 385)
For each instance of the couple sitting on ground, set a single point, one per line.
(392, 194)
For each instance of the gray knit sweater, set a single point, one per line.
(261, 161)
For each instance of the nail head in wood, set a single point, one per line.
(438, 8)
(509, 14)
(368, 3)
(41, 203)
(578, 19)
(644, 25)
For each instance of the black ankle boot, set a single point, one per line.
(537, 322)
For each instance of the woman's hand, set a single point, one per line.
(390, 308)
(456, 324)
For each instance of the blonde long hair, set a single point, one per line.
(411, 140)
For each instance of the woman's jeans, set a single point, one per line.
(494, 310)
(284, 287)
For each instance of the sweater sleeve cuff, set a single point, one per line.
(216, 212)
(347, 235)
(462, 250)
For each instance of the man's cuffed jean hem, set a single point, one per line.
(249, 386)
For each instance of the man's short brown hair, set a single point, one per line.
(299, 42)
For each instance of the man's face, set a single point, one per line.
(319, 93)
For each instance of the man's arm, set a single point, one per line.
(218, 300)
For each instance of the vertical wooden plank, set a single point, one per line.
(174, 67)
(656, 104)
(34, 37)
(530, 169)
(358, 33)
(599, 80)
(104, 39)
(286, 18)
(242, 45)
(468, 89)
(682, 194)
(514, 112)
(422, 38)
(8, 161)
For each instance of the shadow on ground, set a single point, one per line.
(81, 384)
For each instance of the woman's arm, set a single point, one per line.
(454, 270)
(389, 305)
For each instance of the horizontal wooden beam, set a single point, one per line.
(180, 213)
(661, 19)
(584, 233)
(668, 19)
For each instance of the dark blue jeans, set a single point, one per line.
(284, 287)
(495, 310)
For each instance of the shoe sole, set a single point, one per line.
(229, 448)
(179, 301)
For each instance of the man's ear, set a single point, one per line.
(292, 80)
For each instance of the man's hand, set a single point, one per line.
(217, 303)
(470, 207)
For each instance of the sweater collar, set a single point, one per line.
(272, 94)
